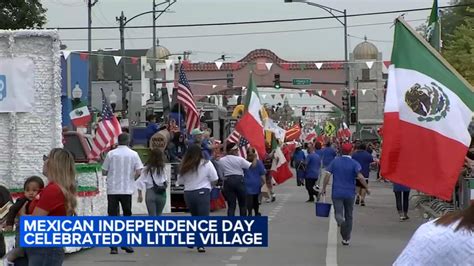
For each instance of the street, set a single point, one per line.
(296, 237)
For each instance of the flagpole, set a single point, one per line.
(434, 52)
(179, 105)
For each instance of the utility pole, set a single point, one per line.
(153, 89)
(346, 66)
(122, 19)
(90, 4)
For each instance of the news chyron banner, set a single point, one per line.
(143, 231)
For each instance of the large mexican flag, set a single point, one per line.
(427, 112)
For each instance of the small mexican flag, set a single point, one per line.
(428, 109)
(80, 116)
(250, 126)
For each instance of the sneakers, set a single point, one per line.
(357, 200)
(345, 242)
(362, 203)
(128, 249)
(404, 218)
(113, 251)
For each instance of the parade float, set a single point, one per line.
(30, 115)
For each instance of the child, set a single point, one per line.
(32, 186)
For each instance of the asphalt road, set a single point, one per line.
(296, 237)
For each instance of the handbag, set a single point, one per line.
(158, 189)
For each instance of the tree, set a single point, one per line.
(22, 14)
(453, 17)
(459, 51)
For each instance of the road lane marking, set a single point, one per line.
(242, 250)
(231, 264)
(236, 258)
(331, 249)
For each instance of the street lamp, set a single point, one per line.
(76, 95)
(123, 22)
(331, 11)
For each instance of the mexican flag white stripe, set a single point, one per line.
(458, 114)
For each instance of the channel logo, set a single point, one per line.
(3, 87)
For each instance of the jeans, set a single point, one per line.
(402, 206)
(309, 184)
(198, 201)
(113, 204)
(155, 202)
(45, 256)
(234, 188)
(252, 204)
(343, 209)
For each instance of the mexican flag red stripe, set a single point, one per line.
(428, 109)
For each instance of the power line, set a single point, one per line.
(261, 21)
(245, 33)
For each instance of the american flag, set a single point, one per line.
(108, 130)
(185, 97)
(243, 144)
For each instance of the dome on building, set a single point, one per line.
(365, 50)
(162, 53)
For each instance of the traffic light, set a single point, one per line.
(230, 80)
(353, 103)
(276, 81)
(353, 119)
(345, 103)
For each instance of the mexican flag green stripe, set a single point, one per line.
(409, 52)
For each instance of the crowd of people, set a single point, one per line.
(204, 166)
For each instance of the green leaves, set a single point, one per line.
(22, 14)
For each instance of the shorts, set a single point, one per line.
(358, 184)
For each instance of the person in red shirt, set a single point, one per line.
(58, 198)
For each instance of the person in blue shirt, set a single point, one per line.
(151, 127)
(365, 159)
(298, 162)
(345, 171)
(402, 198)
(313, 166)
(328, 154)
(318, 149)
(254, 178)
(197, 137)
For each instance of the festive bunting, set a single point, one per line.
(66, 53)
(285, 66)
(320, 93)
(214, 86)
(319, 65)
(334, 92)
(364, 91)
(117, 59)
(301, 95)
(134, 60)
(282, 96)
(273, 96)
(235, 65)
(218, 64)
(324, 92)
(84, 56)
(302, 67)
(264, 96)
(369, 64)
(310, 93)
(269, 66)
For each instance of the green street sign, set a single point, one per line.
(300, 82)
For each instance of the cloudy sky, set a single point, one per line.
(307, 40)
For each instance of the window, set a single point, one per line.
(366, 74)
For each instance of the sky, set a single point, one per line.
(308, 42)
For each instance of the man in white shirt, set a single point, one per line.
(121, 166)
(234, 187)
